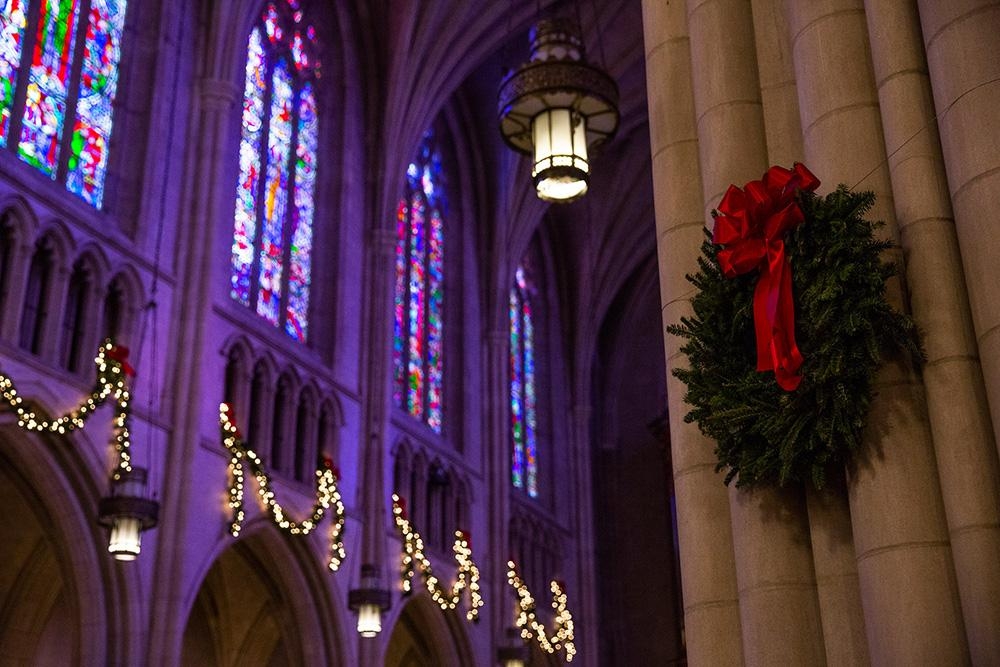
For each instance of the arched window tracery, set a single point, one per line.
(272, 237)
(523, 390)
(58, 81)
(418, 342)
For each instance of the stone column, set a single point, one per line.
(209, 202)
(583, 502)
(908, 587)
(782, 127)
(779, 610)
(961, 39)
(377, 379)
(956, 398)
(497, 398)
(834, 567)
(708, 574)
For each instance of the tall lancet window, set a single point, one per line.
(58, 80)
(523, 417)
(418, 342)
(272, 239)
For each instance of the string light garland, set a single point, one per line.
(327, 493)
(112, 370)
(467, 577)
(529, 624)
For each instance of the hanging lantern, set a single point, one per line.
(369, 601)
(127, 512)
(513, 653)
(557, 107)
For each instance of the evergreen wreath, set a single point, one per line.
(844, 327)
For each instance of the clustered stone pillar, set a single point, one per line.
(779, 609)
(834, 568)
(956, 399)
(908, 587)
(960, 40)
(906, 557)
(711, 611)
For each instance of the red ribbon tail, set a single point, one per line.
(786, 354)
(762, 320)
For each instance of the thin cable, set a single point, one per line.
(926, 125)
(150, 311)
(600, 35)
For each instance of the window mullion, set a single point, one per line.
(23, 74)
(73, 94)
(262, 179)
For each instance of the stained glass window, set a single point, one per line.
(59, 77)
(272, 235)
(523, 417)
(418, 337)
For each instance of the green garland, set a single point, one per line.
(844, 327)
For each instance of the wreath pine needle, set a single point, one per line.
(844, 326)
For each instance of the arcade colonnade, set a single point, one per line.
(898, 563)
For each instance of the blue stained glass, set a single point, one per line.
(13, 19)
(400, 325)
(523, 410)
(305, 185)
(275, 194)
(418, 330)
(48, 85)
(94, 107)
(246, 189)
(516, 379)
(279, 146)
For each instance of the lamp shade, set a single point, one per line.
(369, 619)
(557, 108)
(127, 512)
(125, 542)
(369, 601)
(560, 168)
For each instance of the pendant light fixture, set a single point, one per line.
(557, 107)
(369, 601)
(514, 652)
(127, 512)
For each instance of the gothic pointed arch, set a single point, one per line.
(262, 601)
(424, 636)
(61, 595)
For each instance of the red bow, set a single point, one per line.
(750, 225)
(119, 353)
(231, 412)
(328, 464)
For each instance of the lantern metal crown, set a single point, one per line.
(558, 107)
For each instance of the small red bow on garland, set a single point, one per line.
(119, 353)
(750, 225)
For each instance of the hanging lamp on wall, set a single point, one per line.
(127, 512)
(369, 601)
(514, 652)
(557, 107)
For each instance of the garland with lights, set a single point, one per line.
(413, 556)
(532, 628)
(327, 494)
(112, 370)
(752, 313)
